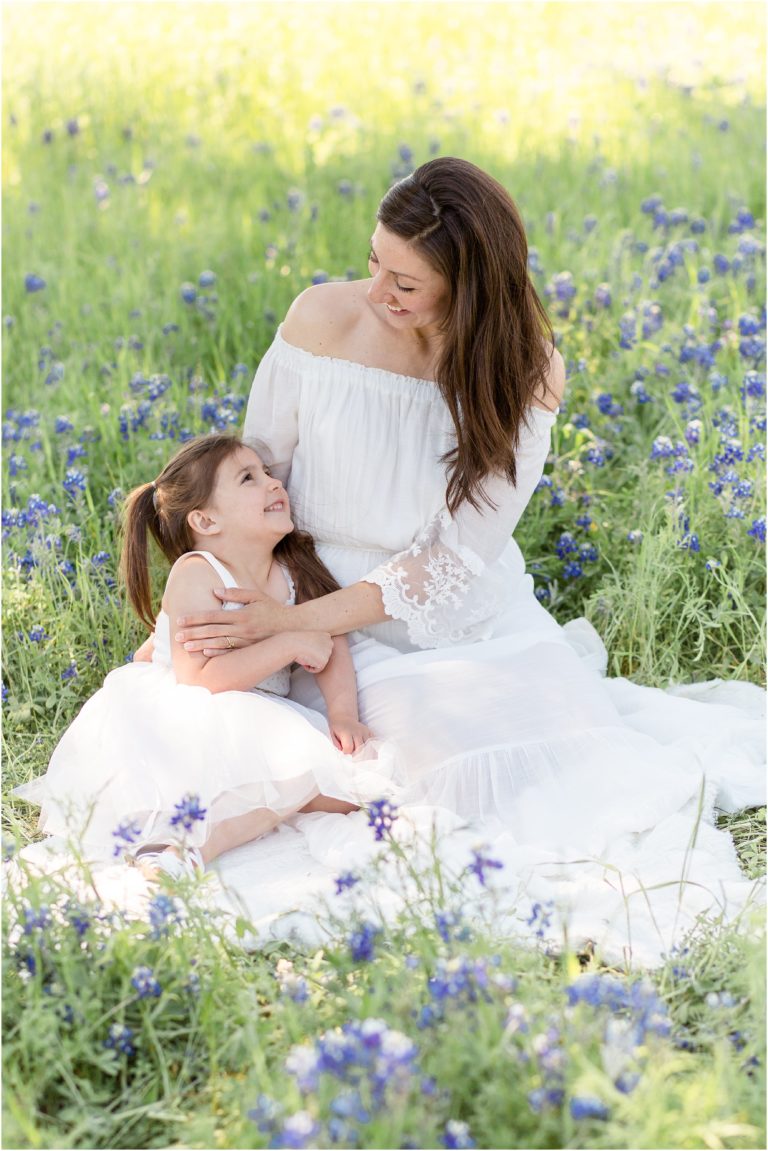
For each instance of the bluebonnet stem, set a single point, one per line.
(188, 812)
(381, 815)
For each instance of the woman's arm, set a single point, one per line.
(190, 584)
(357, 606)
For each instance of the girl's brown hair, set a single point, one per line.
(159, 509)
(494, 355)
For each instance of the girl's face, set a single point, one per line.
(405, 289)
(247, 499)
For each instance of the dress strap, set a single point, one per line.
(226, 576)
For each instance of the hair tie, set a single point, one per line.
(154, 495)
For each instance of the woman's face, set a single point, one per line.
(406, 290)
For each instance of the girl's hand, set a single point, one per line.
(312, 649)
(348, 734)
(217, 632)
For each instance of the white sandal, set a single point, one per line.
(178, 866)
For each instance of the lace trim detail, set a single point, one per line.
(441, 598)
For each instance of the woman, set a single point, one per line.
(409, 416)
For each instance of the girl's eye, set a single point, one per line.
(247, 476)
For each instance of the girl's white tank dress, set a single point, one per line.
(143, 742)
(590, 789)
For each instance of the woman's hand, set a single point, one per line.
(348, 733)
(217, 632)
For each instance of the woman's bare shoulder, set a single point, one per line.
(321, 318)
(552, 396)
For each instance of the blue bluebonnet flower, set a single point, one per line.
(70, 672)
(588, 1107)
(120, 1040)
(457, 1135)
(37, 634)
(381, 815)
(608, 406)
(292, 986)
(757, 531)
(74, 482)
(346, 880)
(163, 914)
(79, 916)
(319, 277)
(588, 553)
(206, 279)
(689, 542)
(703, 275)
(188, 812)
(597, 456)
(188, 292)
(572, 570)
(602, 295)
(450, 925)
(481, 863)
(464, 981)
(34, 283)
(36, 919)
(73, 127)
(362, 942)
(565, 545)
(541, 917)
(651, 204)
(634, 536)
(144, 982)
(124, 835)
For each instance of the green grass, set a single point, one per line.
(255, 141)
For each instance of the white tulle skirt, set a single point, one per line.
(143, 742)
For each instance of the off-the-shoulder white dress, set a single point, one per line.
(503, 716)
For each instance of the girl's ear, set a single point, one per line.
(202, 524)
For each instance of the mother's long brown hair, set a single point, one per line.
(159, 510)
(494, 356)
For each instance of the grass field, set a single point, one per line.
(173, 175)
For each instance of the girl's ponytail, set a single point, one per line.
(139, 517)
(310, 575)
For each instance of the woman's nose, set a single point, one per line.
(378, 291)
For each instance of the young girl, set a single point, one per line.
(209, 752)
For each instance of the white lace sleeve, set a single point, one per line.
(272, 415)
(446, 586)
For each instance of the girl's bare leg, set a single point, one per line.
(230, 833)
(325, 803)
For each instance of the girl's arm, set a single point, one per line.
(338, 684)
(190, 586)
